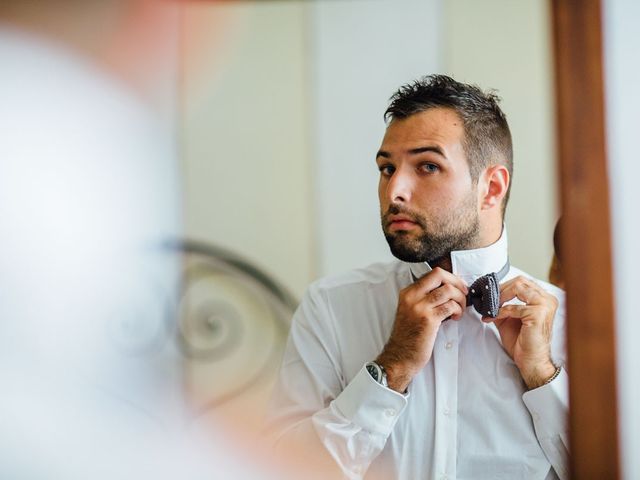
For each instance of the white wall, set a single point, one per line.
(622, 77)
(245, 143)
(359, 56)
(505, 45)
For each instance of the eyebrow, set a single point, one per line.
(415, 151)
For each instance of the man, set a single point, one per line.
(402, 370)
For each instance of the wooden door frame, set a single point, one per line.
(586, 247)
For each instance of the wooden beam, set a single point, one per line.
(586, 254)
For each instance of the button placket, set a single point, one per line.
(446, 362)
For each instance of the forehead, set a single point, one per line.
(440, 126)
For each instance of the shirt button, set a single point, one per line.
(444, 477)
(448, 345)
(536, 416)
(446, 411)
(390, 412)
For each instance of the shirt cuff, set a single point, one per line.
(549, 405)
(370, 405)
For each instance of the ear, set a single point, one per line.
(494, 184)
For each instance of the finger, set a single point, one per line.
(510, 311)
(443, 294)
(457, 316)
(498, 322)
(457, 312)
(522, 288)
(437, 277)
(448, 309)
(508, 314)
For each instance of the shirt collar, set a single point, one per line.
(471, 264)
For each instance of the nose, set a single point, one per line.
(399, 187)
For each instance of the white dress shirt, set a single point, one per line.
(467, 414)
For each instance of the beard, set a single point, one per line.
(458, 229)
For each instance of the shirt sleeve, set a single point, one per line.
(549, 406)
(314, 407)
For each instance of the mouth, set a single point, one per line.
(401, 222)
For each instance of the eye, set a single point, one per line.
(386, 170)
(429, 167)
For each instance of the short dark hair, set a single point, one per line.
(487, 139)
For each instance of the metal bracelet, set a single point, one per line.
(554, 376)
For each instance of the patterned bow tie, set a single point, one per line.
(484, 293)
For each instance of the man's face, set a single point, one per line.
(428, 203)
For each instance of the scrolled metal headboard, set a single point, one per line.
(233, 319)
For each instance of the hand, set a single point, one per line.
(422, 307)
(525, 330)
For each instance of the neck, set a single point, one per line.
(442, 262)
(489, 234)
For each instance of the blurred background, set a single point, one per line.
(176, 173)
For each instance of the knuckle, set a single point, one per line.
(417, 312)
(445, 309)
(449, 289)
(439, 272)
(407, 295)
(437, 294)
(406, 291)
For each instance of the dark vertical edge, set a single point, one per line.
(581, 140)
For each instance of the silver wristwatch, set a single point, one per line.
(377, 373)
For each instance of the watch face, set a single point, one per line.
(373, 371)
